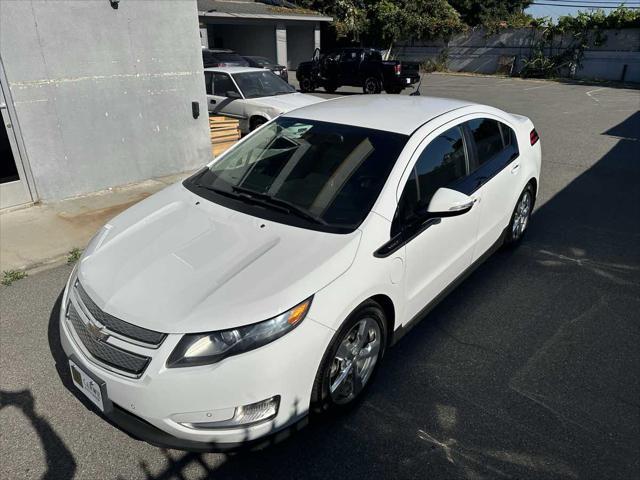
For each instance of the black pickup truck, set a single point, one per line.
(356, 67)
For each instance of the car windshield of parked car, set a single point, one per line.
(262, 84)
(262, 61)
(312, 174)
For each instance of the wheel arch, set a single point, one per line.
(389, 310)
(534, 183)
(257, 116)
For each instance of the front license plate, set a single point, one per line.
(87, 385)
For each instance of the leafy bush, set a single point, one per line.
(438, 64)
(584, 30)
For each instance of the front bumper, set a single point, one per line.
(143, 430)
(156, 406)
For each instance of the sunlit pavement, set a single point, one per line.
(529, 369)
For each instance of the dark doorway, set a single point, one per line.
(8, 170)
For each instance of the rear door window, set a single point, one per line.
(493, 145)
(488, 138)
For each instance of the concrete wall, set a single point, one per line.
(476, 52)
(245, 39)
(103, 96)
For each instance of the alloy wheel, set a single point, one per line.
(521, 215)
(354, 360)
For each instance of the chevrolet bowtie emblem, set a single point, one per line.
(97, 331)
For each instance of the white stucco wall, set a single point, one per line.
(103, 96)
(474, 51)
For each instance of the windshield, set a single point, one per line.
(262, 84)
(261, 60)
(216, 58)
(317, 175)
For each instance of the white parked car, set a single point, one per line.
(252, 95)
(270, 284)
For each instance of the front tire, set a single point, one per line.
(372, 85)
(256, 122)
(520, 217)
(351, 359)
(306, 85)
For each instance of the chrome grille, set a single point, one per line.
(110, 355)
(116, 325)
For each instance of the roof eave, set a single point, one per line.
(307, 18)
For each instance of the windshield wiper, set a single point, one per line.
(241, 196)
(266, 199)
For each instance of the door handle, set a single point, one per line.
(212, 101)
(515, 168)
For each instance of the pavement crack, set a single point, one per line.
(540, 400)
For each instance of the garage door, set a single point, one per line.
(300, 44)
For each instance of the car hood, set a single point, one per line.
(177, 263)
(285, 103)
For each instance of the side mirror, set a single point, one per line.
(449, 203)
(233, 95)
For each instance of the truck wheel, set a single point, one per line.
(306, 85)
(371, 85)
(393, 90)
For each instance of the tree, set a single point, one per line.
(394, 20)
(388, 21)
(476, 12)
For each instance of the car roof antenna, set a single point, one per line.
(417, 89)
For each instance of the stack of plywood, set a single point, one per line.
(225, 132)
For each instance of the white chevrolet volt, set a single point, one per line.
(269, 284)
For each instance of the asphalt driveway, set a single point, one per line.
(529, 369)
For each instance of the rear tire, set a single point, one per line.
(520, 217)
(372, 85)
(351, 360)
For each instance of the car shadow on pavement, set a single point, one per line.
(59, 459)
(527, 370)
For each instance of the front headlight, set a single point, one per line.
(207, 348)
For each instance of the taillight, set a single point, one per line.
(534, 137)
(398, 69)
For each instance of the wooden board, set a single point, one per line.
(224, 133)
